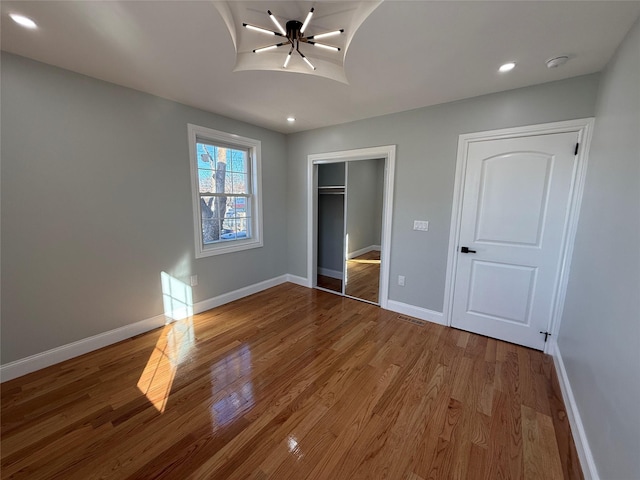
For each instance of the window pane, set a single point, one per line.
(236, 207)
(228, 183)
(241, 207)
(243, 226)
(229, 229)
(239, 181)
(211, 211)
(206, 180)
(235, 229)
(237, 161)
(204, 153)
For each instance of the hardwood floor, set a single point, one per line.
(292, 383)
(330, 283)
(363, 274)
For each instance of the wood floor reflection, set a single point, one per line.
(330, 283)
(363, 276)
(292, 383)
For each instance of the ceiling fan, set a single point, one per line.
(294, 34)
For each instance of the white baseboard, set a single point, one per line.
(237, 294)
(302, 281)
(417, 312)
(38, 361)
(362, 251)
(327, 272)
(587, 461)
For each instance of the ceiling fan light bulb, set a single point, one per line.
(277, 23)
(258, 29)
(287, 60)
(328, 34)
(326, 47)
(309, 63)
(264, 49)
(306, 21)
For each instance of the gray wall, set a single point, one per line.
(599, 338)
(426, 140)
(96, 203)
(364, 203)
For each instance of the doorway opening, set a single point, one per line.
(342, 258)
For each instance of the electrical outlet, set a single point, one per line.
(421, 225)
(193, 280)
(401, 280)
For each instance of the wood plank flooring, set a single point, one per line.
(330, 283)
(292, 383)
(363, 274)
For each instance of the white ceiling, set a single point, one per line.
(405, 55)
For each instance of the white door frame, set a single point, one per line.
(584, 128)
(388, 153)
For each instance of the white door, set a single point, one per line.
(515, 206)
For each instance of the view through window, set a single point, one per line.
(225, 190)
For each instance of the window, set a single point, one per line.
(225, 183)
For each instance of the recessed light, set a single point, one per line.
(507, 67)
(22, 20)
(291, 119)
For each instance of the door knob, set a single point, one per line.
(466, 250)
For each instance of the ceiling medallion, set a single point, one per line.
(294, 34)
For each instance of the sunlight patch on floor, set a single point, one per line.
(173, 346)
(365, 261)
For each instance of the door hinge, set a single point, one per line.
(546, 335)
(575, 152)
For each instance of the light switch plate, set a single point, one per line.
(421, 225)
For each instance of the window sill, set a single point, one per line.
(228, 247)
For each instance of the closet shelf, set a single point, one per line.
(331, 190)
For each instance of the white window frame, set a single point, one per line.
(196, 133)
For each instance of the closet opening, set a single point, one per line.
(349, 231)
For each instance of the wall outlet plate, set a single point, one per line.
(421, 225)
